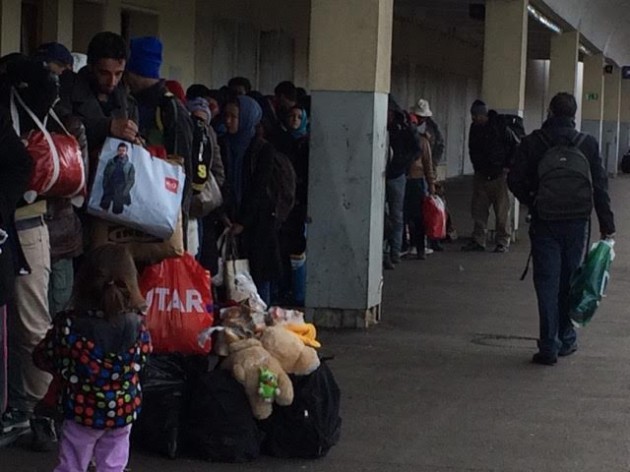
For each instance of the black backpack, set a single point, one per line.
(219, 425)
(515, 124)
(311, 425)
(565, 189)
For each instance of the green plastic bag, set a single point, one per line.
(589, 282)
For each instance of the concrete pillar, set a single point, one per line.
(505, 67)
(57, 22)
(564, 63)
(350, 60)
(10, 26)
(593, 96)
(505, 55)
(612, 113)
(624, 125)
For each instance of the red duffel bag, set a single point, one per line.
(58, 169)
(434, 215)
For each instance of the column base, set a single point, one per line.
(339, 318)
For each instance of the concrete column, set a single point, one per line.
(612, 113)
(10, 26)
(505, 55)
(564, 63)
(57, 22)
(350, 60)
(593, 96)
(624, 125)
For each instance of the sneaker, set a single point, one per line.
(428, 251)
(395, 259)
(568, 350)
(387, 264)
(44, 434)
(501, 249)
(544, 359)
(15, 419)
(473, 246)
(413, 251)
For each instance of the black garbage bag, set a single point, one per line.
(219, 425)
(311, 425)
(163, 382)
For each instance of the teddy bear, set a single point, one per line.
(290, 351)
(260, 373)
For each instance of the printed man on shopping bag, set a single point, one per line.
(558, 174)
(119, 177)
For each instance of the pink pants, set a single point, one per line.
(109, 447)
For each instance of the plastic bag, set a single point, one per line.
(589, 282)
(58, 169)
(180, 302)
(434, 215)
(135, 189)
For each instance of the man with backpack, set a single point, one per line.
(492, 144)
(558, 174)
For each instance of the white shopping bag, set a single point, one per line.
(134, 189)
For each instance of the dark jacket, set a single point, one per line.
(405, 147)
(523, 177)
(491, 146)
(14, 176)
(78, 97)
(436, 139)
(257, 213)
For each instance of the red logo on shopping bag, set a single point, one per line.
(171, 184)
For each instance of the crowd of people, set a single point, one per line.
(233, 136)
(255, 149)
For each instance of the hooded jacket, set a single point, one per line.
(523, 177)
(491, 146)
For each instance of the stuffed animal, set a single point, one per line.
(248, 360)
(294, 357)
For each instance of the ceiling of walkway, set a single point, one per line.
(604, 23)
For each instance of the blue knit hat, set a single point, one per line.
(146, 57)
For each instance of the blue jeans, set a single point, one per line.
(558, 248)
(395, 197)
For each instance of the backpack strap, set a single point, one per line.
(578, 140)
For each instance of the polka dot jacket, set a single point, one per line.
(101, 390)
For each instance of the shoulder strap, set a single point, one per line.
(578, 139)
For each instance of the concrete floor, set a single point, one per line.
(445, 383)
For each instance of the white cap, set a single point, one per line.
(423, 108)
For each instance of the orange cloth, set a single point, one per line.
(306, 332)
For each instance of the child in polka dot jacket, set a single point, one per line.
(96, 351)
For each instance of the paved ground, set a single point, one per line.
(444, 384)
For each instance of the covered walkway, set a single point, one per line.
(444, 383)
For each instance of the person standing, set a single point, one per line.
(164, 123)
(558, 174)
(403, 150)
(491, 145)
(96, 352)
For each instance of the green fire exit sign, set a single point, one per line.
(592, 97)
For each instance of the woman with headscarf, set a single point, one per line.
(295, 144)
(250, 204)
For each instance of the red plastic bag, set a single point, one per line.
(434, 215)
(178, 294)
(58, 169)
